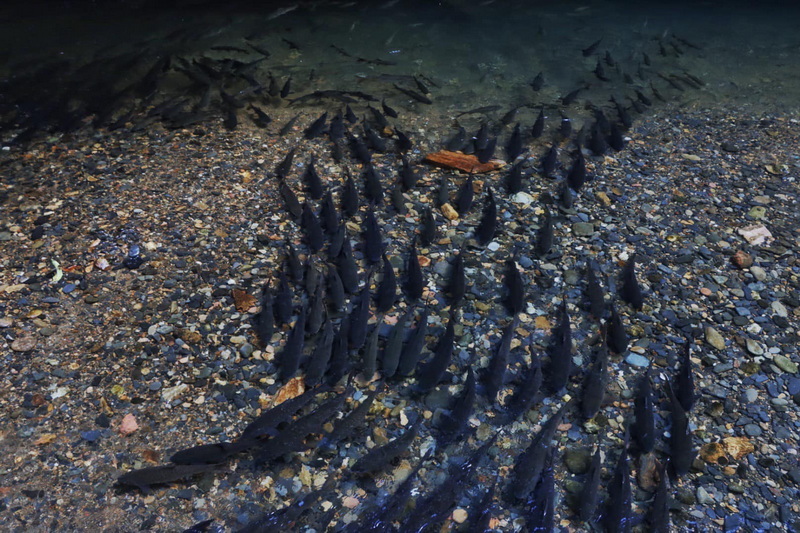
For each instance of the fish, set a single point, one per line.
(289, 125)
(335, 289)
(231, 120)
(530, 464)
(408, 177)
(495, 373)
(263, 51)
(642, 98)
(457, 284)
(336, 129)
(398, 199)
(487, 226)
(510, 116)
(374, 141)
(316, 311)
(348, 271)
(630, 291)
(312, 180)
(545, 235)
(617, 337)
(592, 48)
(624, 116)
(345, 427)
(576, 176)
(453, 424)
(538, 126)
(387, 290)
(403, 143)
(285, 166)
(358, 320)
(549, 161)
(538, 82)
(289, 357)
(595, 383)
(414, 95)
(283, 301)
(312, 276)
(514, 178)
(457, 141)
(380, 118)
(373, 190)
(618, 513)
(414, 282)
(265, 319)
(515, 288)
(387, 110)
(394, 345)
(644, 427)
(312, 229)
(316, 128)
(412, 350)
(609, 59)
(481, 138)
(597, 142)
(430, 374)
(373, 241)
(465, 196)
(370, 352)
(541, 507)
(270, 421)
(528, 390)
(590, 492)
(261, 119)
(570, 97)
(380, 457)
(421, 86)
(428, 228)
(483, 512)
(200, 527)
(360, 150)
(615, 138)
(566, 198)
(292, 45)
(338, 365)
(514, 144)
(293, 266)
(594, 293)
(287, 87)
(329, 219)
(565, 130)
(600, 72)
(208, 454)
(560, 350)
(658, 515)
(681, 451)
(349, 198)
(443, 191)
(318, 362)
(349, 116)
(684, 381)
(282, 11)
(144, 478)
(486, 153)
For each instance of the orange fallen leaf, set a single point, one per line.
(151, 456)
(243, 300)
(541, 322)
(293, 388)
(47, 438)
(738, 447)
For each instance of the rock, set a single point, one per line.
(577, 460)
(754, 347)
(712, 452)
(757, 212)
(522, 198)
(449, 212)
(714, 338)
(759, 273)
(460, 516)
(171, 393)
(24, 344)
(756, 234)
(647, 475)
(730, 147)
(637, 360)
(751, 395)
(6, 322)
(742, 259)
(128, 425)
(703, 497)
(603, 198)
(753, 430)
(583, 229)
(785, 364)
(761, 200)
(779, 309)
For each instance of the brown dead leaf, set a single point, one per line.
(243, 300)
(423, 261)
(151, 456)
(293, 388)
(47, 438)
(711, 452)
(738, 447)
(542, 322)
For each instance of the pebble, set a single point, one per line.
(493, 246)
(757, 212)
(779, 309)
(759, 273)
(785, 364)
(753, 430)
(522, 198)
(714, 338)
(703, 497)
(577, 460)
(751, 395)
(742, 259)
(637, 360)
(583, 229)
(754, 347)
(24, 344)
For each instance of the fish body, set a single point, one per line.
(283, 301)
(682, 453)
(618, 514)
(457, 141)
(388, 111)
(684, 381)
(265, 319)
(458, 282)
(387, 290)
(528, 390)
(549, 161)
(358, 320)
(487, 226)
(289, 357)
(373, 242)
(349, 198)
(514, 144)
(538, 126)
(644, 430)
(273, 419)
(370, 353)
(576, 176)
(530, 464)
(348, 271)
(515, 288)
(592, 48)
(408, 177)
(144, 478)
(318, 362)
(590, 492)
(379, 457)
(312, 180)
(560, 352)
(345, 427)
(414, 282)
(335, 289)
(373, 189)
(312, 228)
(630, 291)
(617, 339)
(412, 350)
(429, 374)
(428, 229)
(494, 375)
(465, 197)
(545, 235)
(514, 178)
(394, 345)
(414, 95)
(290, 201)
(594, 293)
(289, 125)
(594, 387)
(541, 511)
(538, 82)
(453, 424)
(403, 143)
(360, 150)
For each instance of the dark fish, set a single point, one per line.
(414, 283)
(358, 320)
(263, 51)
(273, 89)
(481, 138)
(345, 427)
(545, 235)
(457, 141)
(398, 199)
(458, 283)
(570, 97)
(380, 119)
(285, 166)
(200, 527)
(453, 424)
(349, 116)
(360, 150)
(208, 454)
(428, 230)
(595, 383)
(528, 390)
(642, 98)
(443, 191)
(273, 419)
(336, 130)
(408, 177)
(312, 180)
(380, 456)
(658, 516)
(565, 130)
(289, 125)
(617, 338)
(465, 196)
(514, 178)
(373, 190)
(335, 289)
(312, 229)
(560, 350)
(515, 288)
(289, 357)
(566, 198)
(421, 86)
(394, 345)
(538, 82)
(624, 116)
(530, 464)
(312, 276)
(265, 319)
(329, 219)
(615, 138)
(374, 141)
(283, 301)
(594, 293)
(589, 50)
(388, 111)
(292, 45)
(514, 144)
(287, 87)
(609, 59)
(412, 350)
(430, 374)
(144, 478)
(231, 120)
(486, 153)
(597, 142)
(483, 512)
(387, 290)
(370, 355)
(541, 511)
(316, 311)
(549, 161)
(587, 503)
(495, 374)
(373, 241)
(684, 381)
(338, 365)
(318, 362)
(510, 116)
(577, 172)
(348, 271)
(317, 127)
(600, 72)
(644, 429)
(538, 126)
(681, 451)
(293, 266)
(630, 292)
(487, 226)
(403, 143)
(618, 514)
(261, 119)
(349, 197)
(414, 95)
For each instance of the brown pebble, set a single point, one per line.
(24, 344)
(742, 259)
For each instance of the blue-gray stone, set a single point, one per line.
(637, 360)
